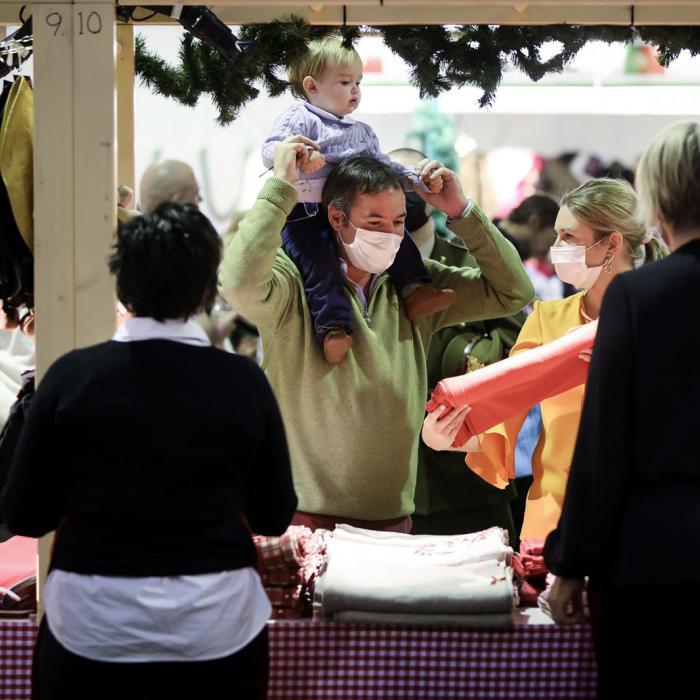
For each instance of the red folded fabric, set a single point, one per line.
(531, 558)
(17, 560)
(286, 597)
(288, 613)
(285, 552)
(507, 388)
(282, 577)
(531, 546)
(529, 593)
(534, 565)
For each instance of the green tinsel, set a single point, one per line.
(439, 58)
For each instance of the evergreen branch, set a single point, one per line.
(438, 58)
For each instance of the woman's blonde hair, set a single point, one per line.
(668, 177)
(608, 205)
(320, 55)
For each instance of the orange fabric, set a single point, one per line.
(561, 415)
(507, 388)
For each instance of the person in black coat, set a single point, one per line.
(153, 456)
(631, 516)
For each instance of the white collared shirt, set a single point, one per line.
(156, 618)
(136, 328)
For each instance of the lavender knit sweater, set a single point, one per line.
(338, 139)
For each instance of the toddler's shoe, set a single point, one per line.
(428, 299)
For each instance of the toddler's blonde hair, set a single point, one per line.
(320, 55)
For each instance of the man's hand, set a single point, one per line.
(290, 155)
(450, 199)
(566, 600)
(315, 162)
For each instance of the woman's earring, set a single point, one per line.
(607, 265)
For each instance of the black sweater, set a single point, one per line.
(631, 513)
(144, 455)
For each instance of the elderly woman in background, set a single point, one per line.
(631, 517)
(152, 455)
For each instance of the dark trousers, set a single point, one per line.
(58, 674)
(310, 242)
(458, 522)
(646, 640)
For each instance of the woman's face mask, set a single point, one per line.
(372, 251)
(570, 264)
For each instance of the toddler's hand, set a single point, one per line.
(434, 184)
(315, 162)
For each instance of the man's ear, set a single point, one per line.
(336, 218)
(310, 85)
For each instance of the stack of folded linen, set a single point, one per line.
(288, 567)
(391, 578)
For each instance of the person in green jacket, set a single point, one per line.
(450, 499)
(353, 428)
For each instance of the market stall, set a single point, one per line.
(77, 128)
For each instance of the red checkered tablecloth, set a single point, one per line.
(16, 646)
(311, 659)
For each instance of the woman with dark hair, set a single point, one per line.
(152, 455)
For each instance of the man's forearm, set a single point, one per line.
(246, 273)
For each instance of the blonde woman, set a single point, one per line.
(631, 518)
(599, 235)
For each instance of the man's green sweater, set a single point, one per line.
(353, 428)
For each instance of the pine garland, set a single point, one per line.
(440, 58)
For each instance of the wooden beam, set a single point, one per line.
(655, 12)
(126, 171)
(54, 192)
(54, 212)
(74, 181)
(94, 123)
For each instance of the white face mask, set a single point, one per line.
(372, 251)
(570, 265)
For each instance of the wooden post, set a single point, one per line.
(126, 171)
(94, 124)
(74, 181)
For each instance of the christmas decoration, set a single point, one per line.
(440, 57)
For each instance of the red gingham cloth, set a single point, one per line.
(286, 552)
(281, 577)
(287, 597)
(312, 659)
(318, 660)
(289, 565)
(16, 646)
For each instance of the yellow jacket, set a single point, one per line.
(561, 414)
